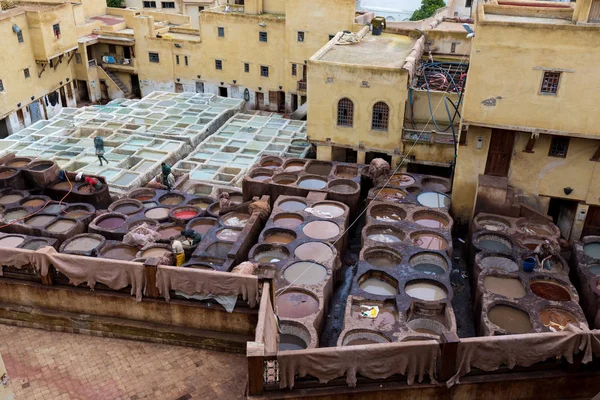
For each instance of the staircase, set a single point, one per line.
(127, 94)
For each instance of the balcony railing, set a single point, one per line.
(302, 86)
(415, 135)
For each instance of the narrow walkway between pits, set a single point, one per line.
(55, 365)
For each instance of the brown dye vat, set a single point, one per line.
(538, 228)
(378, 287)
(435, 185)
(85, 189)
(34, 203)
(511, 319)
(296, 305)
(493, 223)
(385, 236)
(111, 223)
(430, 220)
(313, 251)
(280, 238)
(261, 177)
(171, 199)
(305, 273)
(157, 213)
(127, 208)
(219, 249)
(271, 255)
(15, 215)
(319, 168)
(78, 214)
(499, 263)
(425, 290)
(292, 205)
(121, 252)
(401, 180)
(169, 231)
(429, 241)
(62, 186)
(236, 220)
(143, 197)
(388, 214)
(289, 221)
(312, 183)
(343, 171)
(62, 225)
(35, 244)
(39, 220)
(18, 162)
(271, 164)
(285, 179)
(202, 226)
(294, 166)
(202, 204)
(10, 198)
(508, 287)
(7, 173)
(328, 209)
(389, 194)
(383, 258)
(343, 186)
(83, 244)
(154, 252)
(557, 319)
(11, 241)
(41, 166)
(289, 342)
(228, 235)
(321, 230)
(550, 290)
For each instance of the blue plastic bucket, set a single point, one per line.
(529, 264)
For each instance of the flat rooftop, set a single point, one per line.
(386, 50)
(528, 12)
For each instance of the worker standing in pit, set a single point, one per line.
(177, 249)
(94, 183)
(164, 180)
(99, 145)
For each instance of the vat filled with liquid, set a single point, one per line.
(426, 290)
(328, 210)
(119, 252)
(382, 258)
(387, 213)
(305, 273)
(317, 251)
(508, 287)
(431, 219)
(378, 283)
(312, 182)
(288, 220)
(550, 290)
(384, 234)
(84, 243)
(511, 319)
(292, 205)
(322, 230)
(293, 303)
(429, 241)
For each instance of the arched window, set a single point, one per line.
(345, 114)
(381, 116)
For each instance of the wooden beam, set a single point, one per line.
(43, 69)
(530, 144)
(71, 57)
(151, 267)
(449, 348)
(255, 376)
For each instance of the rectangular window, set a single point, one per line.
(168, 4)
(200, 8)
(294, 70)
(1, 86)
(149, 4)
(185, 59)
(262, 36)
(550, 83)
(56, 30)
(20, 36)
(112, 48)
(559, 147)
(218, 64)
(26, 73)
(177, 59)
(246, 67)
(264, 71)
(453, 48)
(468, 3)
(153, 57)
(77, 58)
(221, 31)
(301, 36)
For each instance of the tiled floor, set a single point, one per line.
(55, 365)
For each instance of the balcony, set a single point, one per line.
(432, 137)
(111, 62)
(302, 86)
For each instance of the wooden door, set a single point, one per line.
(500, 152)
(592, 222)
(260, 100)
(281, 102)
(179, 88)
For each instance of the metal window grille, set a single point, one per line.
(1, 86)
(168, 4)
(550, 83)
(301, 36)
(246, 67)
(218, 64)
(294, 70)
(262, 36)
(264, 71)
(177, 59)
(221, 31)
(149, 4)
(26, 73)
(559, 147)
(185, 59)
(381, 116)
(153, 57)
(345, 112)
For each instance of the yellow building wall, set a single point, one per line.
(274, 6)
(324, 97)
(18, 56)
(241, 45)
(506, 65)
(45, 44)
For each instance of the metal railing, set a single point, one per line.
(302, 85)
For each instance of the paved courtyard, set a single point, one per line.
(54, 365)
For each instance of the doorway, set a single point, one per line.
(425, 169)
(223, 91)
(592, 222)
(135, 85)
(103, 89)
(281, 102)
(63, 97)
(127, 52)
(260, 101)
(500, 152)
(82, 91)
(294, 102)
(199, 87)
(563, 212)
(4, 128)
(179, 88)
(372, 155)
